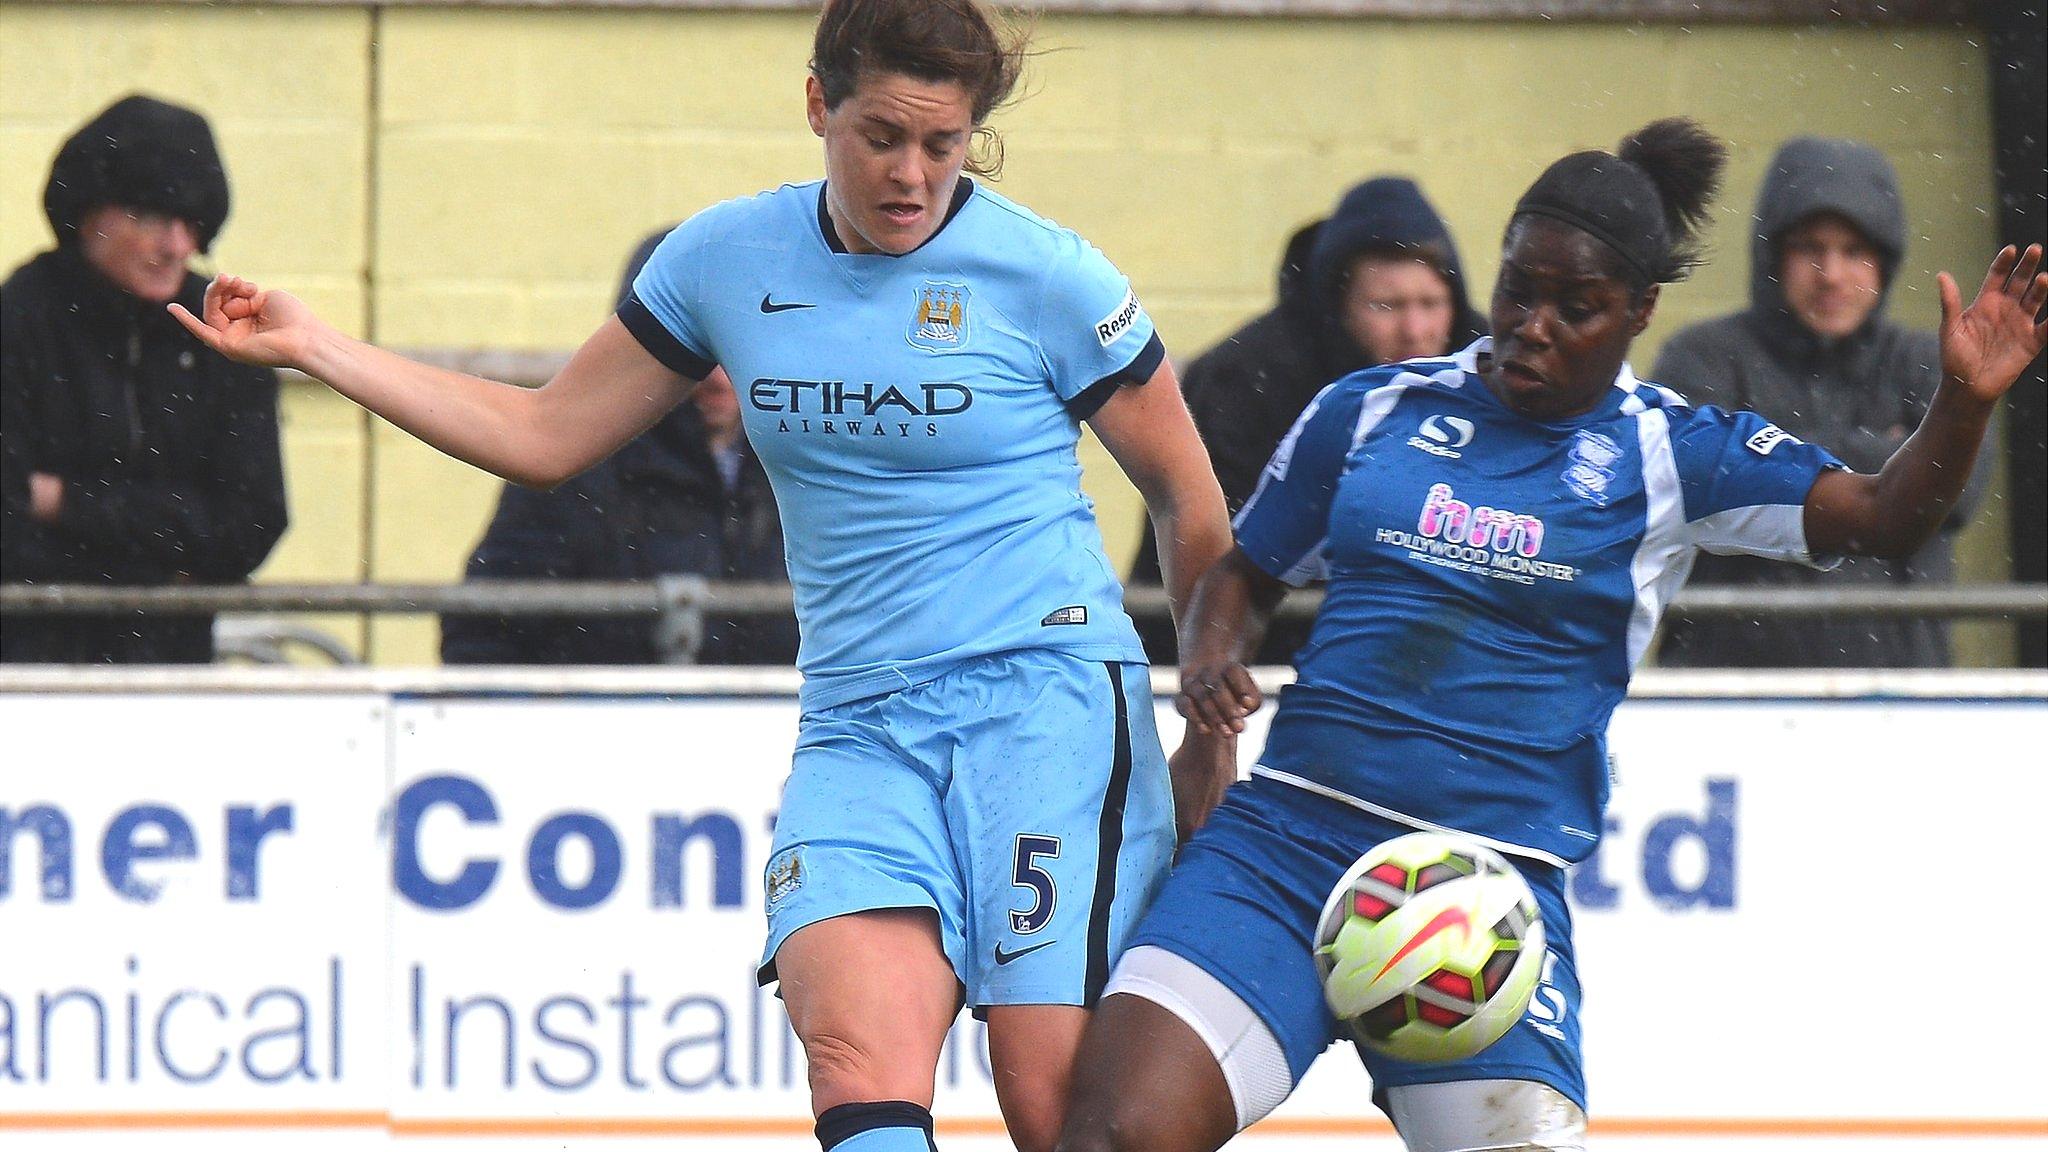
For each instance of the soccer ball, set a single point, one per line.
(1430, 948)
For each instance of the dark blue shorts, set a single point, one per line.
(1242, 904)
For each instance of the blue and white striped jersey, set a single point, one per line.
(917, 416)
(1492, 582)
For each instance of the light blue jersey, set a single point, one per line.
(918, 417)
(1492, 583)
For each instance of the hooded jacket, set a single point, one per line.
(1860, 396)
(169, 454)
(1246, 392)
(659, 506)
(140, 153)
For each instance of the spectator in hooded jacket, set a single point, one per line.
(1814, 354)
(1377, 282)
(687, 496)
(130, 453)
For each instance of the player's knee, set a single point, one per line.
(1103, 1124)
(1034, 1109)
(1033, 1129)
(843, 1071)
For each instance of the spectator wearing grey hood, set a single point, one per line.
(1377, 282)
(1814, 354)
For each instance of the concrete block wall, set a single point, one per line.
(474, 177)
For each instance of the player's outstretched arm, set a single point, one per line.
(1984, 349)
(608, 393)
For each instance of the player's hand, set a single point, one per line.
(45, 497)
(1986, 346)
(248, 324)
(1203, 768)
(1216, 696)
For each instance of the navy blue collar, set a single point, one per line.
(962, 193)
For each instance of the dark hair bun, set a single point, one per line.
(1685, 162)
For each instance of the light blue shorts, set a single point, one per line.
(1022, 796)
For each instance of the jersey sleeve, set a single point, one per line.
(1284, 525)
(1094, 335)
(664, 307)
(1743, 481)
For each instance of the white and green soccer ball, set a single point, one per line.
(1430, 947)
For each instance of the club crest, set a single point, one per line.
(1591, 470)
(940, 322)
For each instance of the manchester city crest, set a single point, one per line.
(939, 323)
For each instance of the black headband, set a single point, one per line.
(1609, 199)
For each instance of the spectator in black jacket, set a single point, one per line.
(686, 496)
(129, 452)
(1377, 282)
(1814, 354)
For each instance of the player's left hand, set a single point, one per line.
(1986, 346)
(1203, 768)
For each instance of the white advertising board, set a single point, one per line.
(524, 922)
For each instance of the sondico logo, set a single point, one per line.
(1443, 436)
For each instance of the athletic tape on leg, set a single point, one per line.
(876, 1126)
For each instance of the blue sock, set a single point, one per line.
(881, 1126)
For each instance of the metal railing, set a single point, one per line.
(679, 605)
(692, 594)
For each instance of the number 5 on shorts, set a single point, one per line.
(1025, 873)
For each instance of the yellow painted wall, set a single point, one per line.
(519, 154)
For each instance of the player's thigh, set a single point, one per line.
(864, 908)
(871, 995)
(1145, 1079)
(1063, 812)
(1541, 1049)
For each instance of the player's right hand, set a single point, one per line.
(248, 324)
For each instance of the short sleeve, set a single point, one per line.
(1282, 528)
(663, 309)
(1744, 481)
(1092, 331)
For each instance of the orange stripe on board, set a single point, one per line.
(783, 1127)
(197, 1120)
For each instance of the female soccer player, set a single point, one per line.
(978, 806)
(1500, 530)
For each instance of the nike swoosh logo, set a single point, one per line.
(769, 306)
(1445, 920)
(1003, 957)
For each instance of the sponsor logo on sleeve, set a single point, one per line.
(1119, 321)
(1768, 438)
